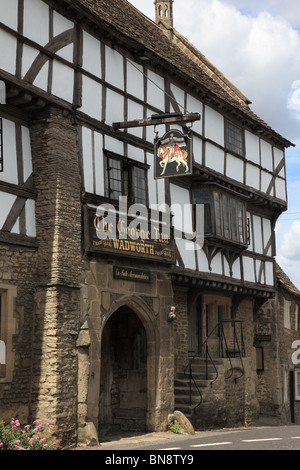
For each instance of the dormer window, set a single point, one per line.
(224, 216)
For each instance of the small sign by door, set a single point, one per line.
(173, 154)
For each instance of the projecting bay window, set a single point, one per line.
(125, 177)
(224, 216)
(234, 140)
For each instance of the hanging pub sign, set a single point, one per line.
(173, 155)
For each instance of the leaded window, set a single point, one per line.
(234, 138)
(126, 178)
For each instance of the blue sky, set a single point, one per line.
(256, 45)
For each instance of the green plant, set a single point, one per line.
(175, 427)
(36, 437)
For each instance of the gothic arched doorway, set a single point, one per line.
(123, 381)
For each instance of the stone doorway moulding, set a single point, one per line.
(114, 404)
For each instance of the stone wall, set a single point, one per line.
(17, 280)
(102, 298)
(59, 263)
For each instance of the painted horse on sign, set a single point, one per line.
(173, 154)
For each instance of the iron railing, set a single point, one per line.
(234, 349)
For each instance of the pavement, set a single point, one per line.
(130, 440)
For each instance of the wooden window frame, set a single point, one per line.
(221, 226)
(237, 145)
(127, 166)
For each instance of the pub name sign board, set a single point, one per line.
(116, 237)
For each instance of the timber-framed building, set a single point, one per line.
(109, 334)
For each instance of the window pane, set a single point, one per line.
(240, 222)
(234, 138)
(233, 223)
(139, 185)
(225, 217)
(218, 213)
(115, 178)
(202, 197)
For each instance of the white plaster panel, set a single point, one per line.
(182, 208)
(36, 21)
(266, 179)
(6, 202)
(267, 232)
(91, 98)
(214, 158)
(258, 265)
(160, 191)
(114, 107)
(235, 168)
(135, 111)
(151, 180)
(252, 176)
(226, 267)
(136, 153)
(10, 173)
(258, 246)
(269, 273)
(28, 57)
(197, 149)
(278, 156)
(202, 261)
(195, 106)
(214, 125)
(216, 264)
(280, 186)
(27, 158)
(179, 98)
(91, 54)
(30, 218)
(99, 164)
(187, 252)
(9, 13)
(249, 273)
(252, 147)
(61, 24)
(155, 91)
(135, 80)
(113, 145)
(63, 81)
(266, 155)
(16, 227)
(41, 80)
(114, 68)
(87, 156)
(236, 269)
(9, 45)
(67, 52)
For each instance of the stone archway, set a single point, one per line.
(149, 328)
(123, 382)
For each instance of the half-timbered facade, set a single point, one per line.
(97, 330)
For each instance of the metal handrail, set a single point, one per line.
(222, 338)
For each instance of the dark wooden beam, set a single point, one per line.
(178, 118)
